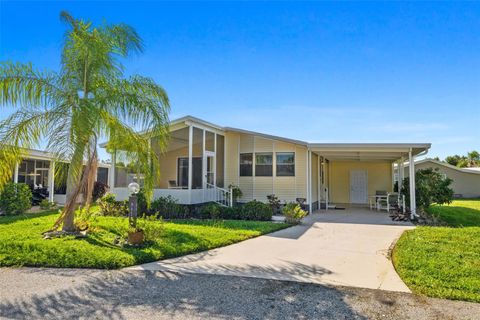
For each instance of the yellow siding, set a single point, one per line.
(300, 172)
(465, 184)
(314, 177)
(232, 142)
(168, 166)
(379, 178)
(285, 188)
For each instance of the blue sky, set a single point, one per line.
(321, 72)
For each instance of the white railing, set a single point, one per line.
(212, 193)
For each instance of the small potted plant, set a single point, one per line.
(136, 236)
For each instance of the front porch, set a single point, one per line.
(192, 167)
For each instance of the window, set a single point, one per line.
(285, 164)
(246, 164)
(263, 165)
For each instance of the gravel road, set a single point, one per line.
(95, 294)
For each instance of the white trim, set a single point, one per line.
(15, 173)
(51, 181)
(411, 168)
(190, 162)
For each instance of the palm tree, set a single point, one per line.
(87, 100)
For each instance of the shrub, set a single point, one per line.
(256, 210)
(99, 190)
(274, 203)
(231, 213)
(211, 210)
(110, 207)
(47, 205)
(168, 208)
(430, 187)
(15, 198)
(142, 203)
(293, 212)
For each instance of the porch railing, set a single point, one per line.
(222, 196)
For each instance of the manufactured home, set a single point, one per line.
(37, 170)
(204, 159)
(465, 181)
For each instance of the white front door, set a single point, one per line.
(358, 186)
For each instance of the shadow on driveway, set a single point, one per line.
(148, 294)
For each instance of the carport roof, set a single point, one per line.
(368, 151)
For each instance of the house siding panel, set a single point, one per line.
(379, 178)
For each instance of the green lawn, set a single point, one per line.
(443, 262)
(21, 243)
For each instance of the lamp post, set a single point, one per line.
(133, 203)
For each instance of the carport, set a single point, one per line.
(349, 173)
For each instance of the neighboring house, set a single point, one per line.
(37, 170)
(203, 159)
(466, 181)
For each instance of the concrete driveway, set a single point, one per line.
(338, 247)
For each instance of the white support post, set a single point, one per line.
(51, 181)
(411, 168)
(309, 184)
(204, 163)
(15, 174)
(111, 171)
(215, 159)
(318, 181)
(190, 162)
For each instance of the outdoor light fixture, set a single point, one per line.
(134, 188)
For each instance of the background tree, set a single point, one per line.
(88, 99)
(472, 159)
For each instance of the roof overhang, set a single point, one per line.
(368, 151)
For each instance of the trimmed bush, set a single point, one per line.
(293, 212)
(231, 213)
(256, 210)
(47, 205)
(15, 198)
(168, 208)
(211, 210)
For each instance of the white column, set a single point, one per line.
(51, 181)
(215, 159)
(309, 181)
(190, 163)
(15, 173)
(411, 168)
(111, 170)
(318, 181)
(204, 161)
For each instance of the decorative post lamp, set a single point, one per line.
(134, 188)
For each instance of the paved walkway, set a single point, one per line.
(338, 247)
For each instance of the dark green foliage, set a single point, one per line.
(142, 202)
(231, 213)
(15, 198)
(274, 203)
(236, 192)
(211, 210)
(99, 190)
(431, 187)
(256, 210)
(472, 159)
(111, 207)
(168, 208)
